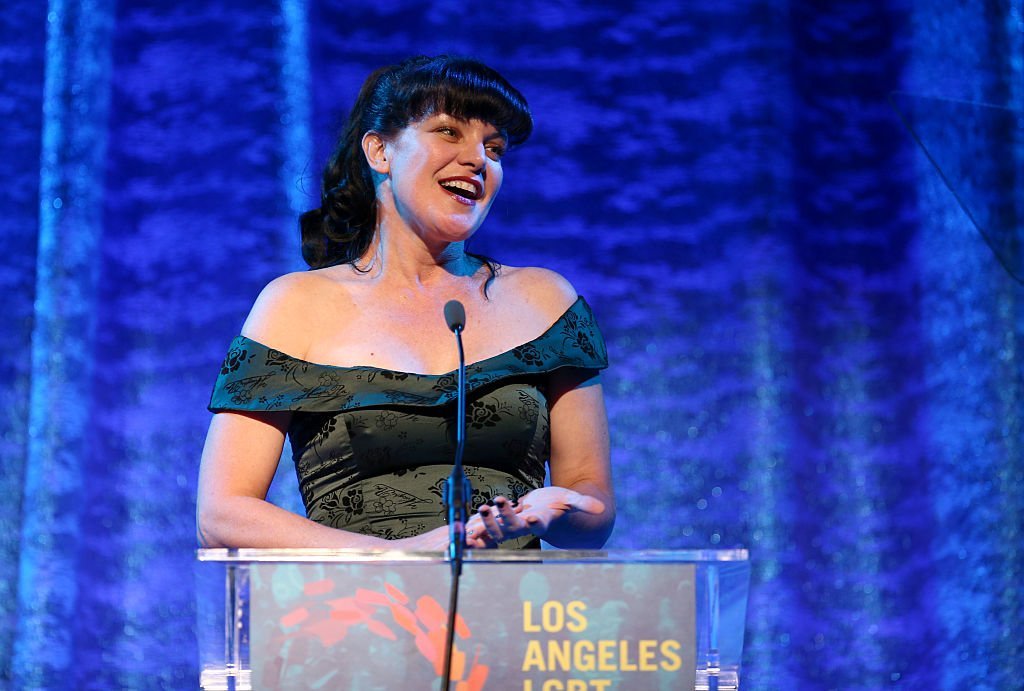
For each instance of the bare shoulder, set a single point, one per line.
(283, 315)
(542, 292)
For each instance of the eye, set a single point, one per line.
(447, 130)
(496, 151)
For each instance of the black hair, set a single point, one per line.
(341, 230)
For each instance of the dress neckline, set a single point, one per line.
(476, 365)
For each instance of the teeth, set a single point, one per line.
(462, 185)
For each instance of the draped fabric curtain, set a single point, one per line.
(815, 352)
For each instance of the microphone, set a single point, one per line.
(455, 315)
(457, 489)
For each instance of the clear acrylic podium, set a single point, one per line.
(541, 620)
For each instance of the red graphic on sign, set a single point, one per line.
(330, 619)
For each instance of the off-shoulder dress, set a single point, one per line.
(372, 447)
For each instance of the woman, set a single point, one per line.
(354, 362)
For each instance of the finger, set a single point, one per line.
(584, 503)
(476, 533)
(490, 523)
(536, 526)
(507, 513)
(475, 536)
(480, 542)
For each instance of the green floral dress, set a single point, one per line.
(373, 447)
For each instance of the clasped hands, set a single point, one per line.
(534, 514)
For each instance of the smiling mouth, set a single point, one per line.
(466, 188)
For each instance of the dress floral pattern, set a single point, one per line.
(372, 447)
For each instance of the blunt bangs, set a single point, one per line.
(465, 89)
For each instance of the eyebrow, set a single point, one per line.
(497, 134)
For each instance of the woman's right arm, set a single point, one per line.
(239, 460)
(243, 449)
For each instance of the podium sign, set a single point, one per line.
(534, 621)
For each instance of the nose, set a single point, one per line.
(473, 155)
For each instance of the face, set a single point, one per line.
(443, 174)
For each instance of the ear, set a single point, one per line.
(374, 148)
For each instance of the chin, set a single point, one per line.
(456, 233)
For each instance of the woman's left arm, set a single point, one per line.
(578, 510)
(580, 459)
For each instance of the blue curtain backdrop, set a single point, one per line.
(815, 353)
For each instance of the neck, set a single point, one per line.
(400, 255)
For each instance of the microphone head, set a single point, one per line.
(455, 315)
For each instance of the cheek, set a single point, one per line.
(495, 177)
(408, 173)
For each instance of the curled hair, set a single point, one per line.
(342, 229)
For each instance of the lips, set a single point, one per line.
(466, 188)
